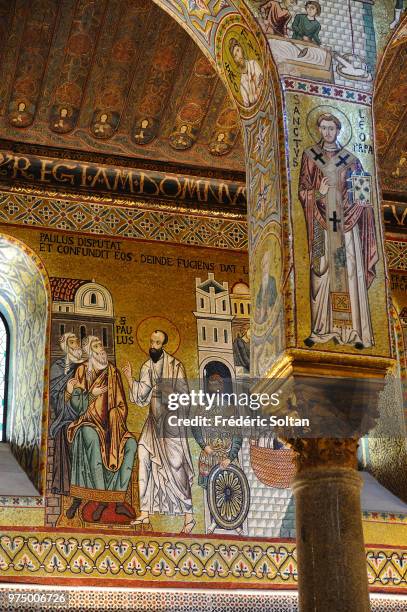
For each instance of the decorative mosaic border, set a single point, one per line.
(139, 222)
(125, 560)
(161, 600)
(396, 252)
(7, 501)
(141, 559)
(182, 601)
(334, 92)
(135, 222)
(384, 517)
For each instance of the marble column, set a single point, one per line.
(332, 569)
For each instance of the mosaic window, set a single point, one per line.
(4, 355)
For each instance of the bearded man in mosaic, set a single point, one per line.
(336, 195)
(62, 370)
(103, 449)
(251, 73)
(165, 463)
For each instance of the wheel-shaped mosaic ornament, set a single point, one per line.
(228, 496)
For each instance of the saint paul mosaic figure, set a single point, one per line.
(165, 463)
(336, 196)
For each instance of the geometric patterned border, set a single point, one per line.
(138, 560)
(387, 568)
(10, 501)
(326, 91)
(384, 517)
(161, 600)
(396, 252)
(215, 230)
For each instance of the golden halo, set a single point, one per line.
(252, 51)
(147, 326)
(345, 135)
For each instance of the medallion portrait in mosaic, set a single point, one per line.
(242, 61)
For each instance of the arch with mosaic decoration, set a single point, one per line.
(24, 302)
(227, 33)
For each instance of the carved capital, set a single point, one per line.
(319, 453)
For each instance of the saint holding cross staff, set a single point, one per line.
(336, 196)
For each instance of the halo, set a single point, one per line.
(146, 328)
(251, 49)
(345, 135)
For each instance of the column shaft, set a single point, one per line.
(331, 556)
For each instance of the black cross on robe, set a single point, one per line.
(343, 160)
(318, 156)
(335, 221)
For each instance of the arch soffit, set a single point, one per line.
(36, 261)
(263, 123)
(388, 110)
(39, 476)
(214, 358)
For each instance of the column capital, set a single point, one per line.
(324, 453)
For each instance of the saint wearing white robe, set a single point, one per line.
(336, 196)
(165, 464)
(251, 74)
(250, 82)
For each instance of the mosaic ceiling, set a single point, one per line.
(391, 119)
(120, 80)
(113, 77)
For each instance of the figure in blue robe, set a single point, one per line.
(62, 370)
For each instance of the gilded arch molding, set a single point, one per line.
(216, 26)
